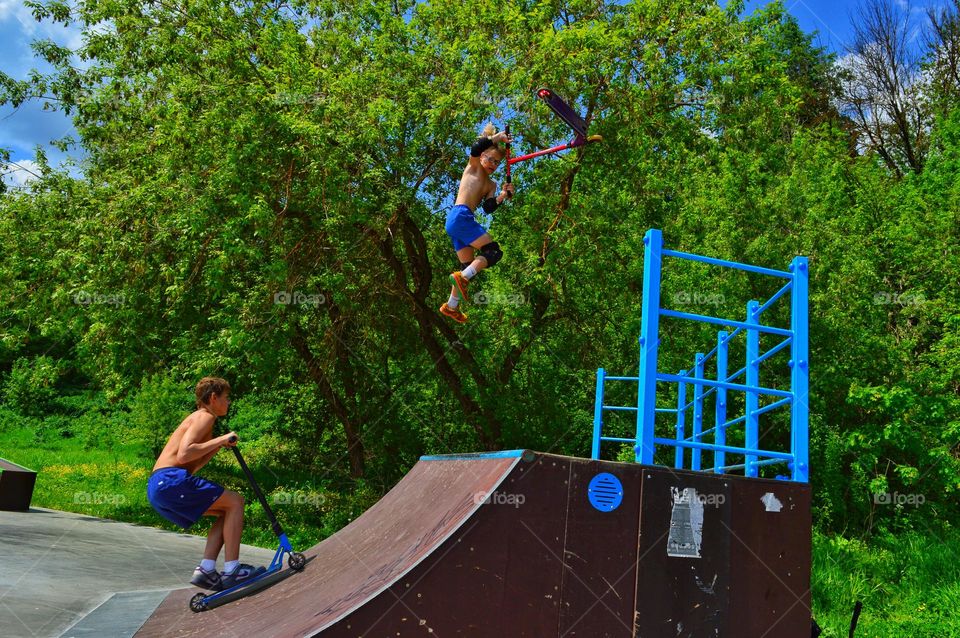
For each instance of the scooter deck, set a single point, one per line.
(563, 111)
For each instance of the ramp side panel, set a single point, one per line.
(770, 557)
(600, 581)
(684, 555)
(498, 575)
(354, 565)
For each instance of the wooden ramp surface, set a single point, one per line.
(355, 565)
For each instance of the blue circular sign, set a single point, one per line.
(605, 492)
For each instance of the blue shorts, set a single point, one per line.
(462, 226)
(179, 496)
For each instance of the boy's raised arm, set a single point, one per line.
(196, 442)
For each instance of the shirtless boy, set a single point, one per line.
(475, 247)
(181, 497)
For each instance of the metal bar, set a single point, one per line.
(740, 466)
(774, 298)
(800, 373)
(681, 420)
(720, 408)
(723, 322)
(614, 438)
(727, 448)
(598, 415)
(752, 428)
(617, 408)
(736, 420)
(649, 343)
(703, 433)
(705, 394)
(727, 264)
(666, 410)
(737, 373)
(730, 336)
(729, 386)
(622, 378)
(772, 351)
(697, 412)
(771, 406)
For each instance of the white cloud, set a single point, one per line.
(17, 174)
(17, 10)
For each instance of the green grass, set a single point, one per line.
(910, 584)
(111, 483)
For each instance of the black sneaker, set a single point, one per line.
(206, 579)
(242, 574)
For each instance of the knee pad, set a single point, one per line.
(492, 253)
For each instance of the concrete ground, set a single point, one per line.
(56, 567)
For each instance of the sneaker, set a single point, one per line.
(460, 283)
(453, 313)
(242, 574)
(206, 579)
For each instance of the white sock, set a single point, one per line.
(469, 272)
(230, 566)
(208, 565)
(453, 301)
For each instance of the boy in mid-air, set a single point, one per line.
(182, 498)
(475, 248)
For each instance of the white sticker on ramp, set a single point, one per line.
(686, 524)
(771, 502)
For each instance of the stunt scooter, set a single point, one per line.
(296, 561)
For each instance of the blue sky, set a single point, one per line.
(24, 128)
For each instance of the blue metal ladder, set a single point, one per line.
(796, 338)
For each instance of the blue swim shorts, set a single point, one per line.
(462, 226)
(179, 496)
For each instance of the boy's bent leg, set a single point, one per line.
(488, 252)
(230, 505)
(214, 539)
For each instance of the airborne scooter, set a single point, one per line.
(296, 561)
(572, 119)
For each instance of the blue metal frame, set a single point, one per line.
(796, 338)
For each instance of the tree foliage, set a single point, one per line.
(264, 192)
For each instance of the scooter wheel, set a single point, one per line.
(196, 603)
(297, 561)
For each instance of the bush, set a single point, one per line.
(30, 388)
(156, 410)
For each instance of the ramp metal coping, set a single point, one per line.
(505, 454)
(796, 397)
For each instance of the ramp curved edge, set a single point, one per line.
(358, 563)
